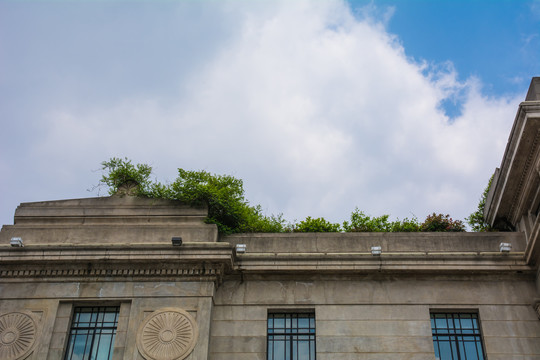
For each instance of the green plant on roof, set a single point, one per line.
(440, 222)
(476, 219)
(360, 222)
(121, 172)
(222, 194)
(315, 225)
(232, 213)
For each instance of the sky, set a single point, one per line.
(320, 107)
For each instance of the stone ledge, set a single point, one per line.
(194, 254)
(108, 220)
(139, 245)
(365, 262)
(390, 242)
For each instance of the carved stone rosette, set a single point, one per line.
(18, 334)
(167, 334)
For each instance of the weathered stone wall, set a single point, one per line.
(118, 252)
(418, 242)
(377, 316)
(108, 220)
(51, 305)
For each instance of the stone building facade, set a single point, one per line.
(122, 277)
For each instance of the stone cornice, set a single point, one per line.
(213, 261)
(189, 262)
(209, 272)
(510, 194)
(430, 262)
(527, 183)
(119, 251)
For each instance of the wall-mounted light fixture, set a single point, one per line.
(505, 247)
(176, 241)
(16, 242)
(240, 248)
(376, 250)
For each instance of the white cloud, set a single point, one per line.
(318, 111)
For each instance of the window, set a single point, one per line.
(456, 336)
(92, 333)
(291, 336)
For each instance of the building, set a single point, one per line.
(122, 277)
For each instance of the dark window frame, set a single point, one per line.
(94, 323)
(290, 329)
(456, 331)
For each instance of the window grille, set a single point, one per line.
(92, 333)
(456, 336)
(291, 336)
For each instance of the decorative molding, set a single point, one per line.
(18, 334)
(167, 334)
(528, 164)
(493, 261)
(209, 272)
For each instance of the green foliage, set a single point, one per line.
(476, 219)
(360, 222)
(232, 213)
(123, 172)
(440, 222)
(222, 194)
(315, 225)
(406, 225)
(260, 223)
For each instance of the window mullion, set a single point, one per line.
(87, 327)
(293, 334)
(459, 335)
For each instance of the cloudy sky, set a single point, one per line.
(395, 107)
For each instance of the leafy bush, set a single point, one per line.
(260, 223)
(222, 194)
(406, 225)
(476, 219)
(232, 213)
(440, 222)
(360, 222)
(123, 172)
(315, 225)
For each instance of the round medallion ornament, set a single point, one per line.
(18, 333)
(167, 334)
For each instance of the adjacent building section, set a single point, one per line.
(513, 202)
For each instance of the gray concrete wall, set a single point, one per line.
(377, 317)
(51, 305)
(108, 220)
(117, 251)
(389, 242)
